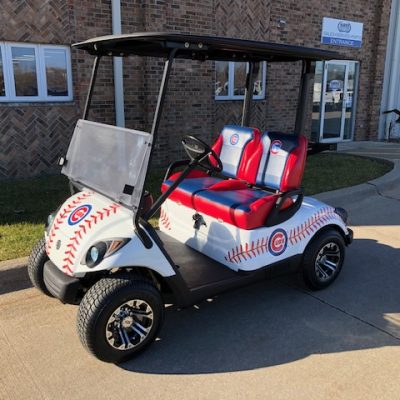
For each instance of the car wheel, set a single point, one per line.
(119, 316)
(36, 262)
(323, 259)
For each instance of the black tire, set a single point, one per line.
(98, 306)
(36, 261)
(329, 241)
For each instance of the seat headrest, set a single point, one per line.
(282, 162)
(232, 146)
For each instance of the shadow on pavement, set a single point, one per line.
(278, 322)
(14, 279)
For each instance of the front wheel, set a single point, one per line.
(323, 259)
(36, 262)
(119, 316)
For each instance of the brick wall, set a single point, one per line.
(33, 135)
(303, 27)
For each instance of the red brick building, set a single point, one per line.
(43, 83)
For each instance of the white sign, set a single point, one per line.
(340, 32)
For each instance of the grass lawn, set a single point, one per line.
(25, 204)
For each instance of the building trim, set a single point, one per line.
(391, 82)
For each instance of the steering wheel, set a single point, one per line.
(201, 153)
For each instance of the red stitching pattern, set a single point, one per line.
(70, 253)
(311, 225)
(164, 219)
(61, 217)
(242, 253)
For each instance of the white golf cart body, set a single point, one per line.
(105, 210)
(107, 167)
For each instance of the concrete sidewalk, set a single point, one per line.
(385, 150)
(274, 340)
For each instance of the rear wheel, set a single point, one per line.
(323, 259)
(119, 316)
(36, 262)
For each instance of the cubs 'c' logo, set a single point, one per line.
(276, 146)
(79, 214)
(277, 242)
(234, 139)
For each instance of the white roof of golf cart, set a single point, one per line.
(156, 44)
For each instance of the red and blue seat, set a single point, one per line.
(264, 175)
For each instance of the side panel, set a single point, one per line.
(248, 250)
(87, 218)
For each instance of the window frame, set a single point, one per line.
(41, 78)
(231, 83)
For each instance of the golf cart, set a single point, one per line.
(232, 213)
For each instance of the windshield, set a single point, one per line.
(110, 160)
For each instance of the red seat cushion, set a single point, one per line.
(244, 208)
(185, 191)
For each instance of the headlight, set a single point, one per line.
(49, 222)
(101, 250)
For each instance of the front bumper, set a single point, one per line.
(66, 288)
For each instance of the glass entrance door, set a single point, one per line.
(334, 101)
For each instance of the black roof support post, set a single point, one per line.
(161, 94)
(248, 95)
(307, 75)
(154, 132)
(91, 86)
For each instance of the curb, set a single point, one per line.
(15, 263)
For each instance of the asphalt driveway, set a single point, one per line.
(273, 340)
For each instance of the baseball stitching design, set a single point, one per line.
(315, 222)
(247, 251)
(83, 228)
(62, 215)
(164, 220)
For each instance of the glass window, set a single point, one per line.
(56, 72)
(222, 78)
(24, 66)
(231, 77)
(334, 98)
(2, 83)
(34, 72)
(239, 78)
(258, 80)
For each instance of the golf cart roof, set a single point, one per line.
(156, 44)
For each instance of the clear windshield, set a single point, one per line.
(110, 160)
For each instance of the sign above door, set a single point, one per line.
(340, 32)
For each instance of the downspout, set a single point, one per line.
(390, 92)
(118, 68)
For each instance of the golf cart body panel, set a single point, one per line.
(247, 250)
(88, 218)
